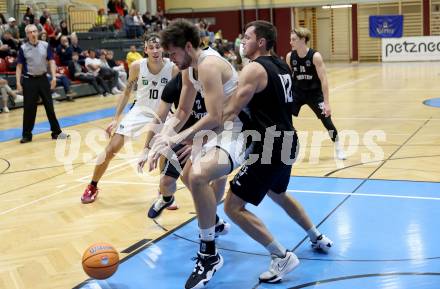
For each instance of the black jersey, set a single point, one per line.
(273, 105)
(171, 94)
(304, 74)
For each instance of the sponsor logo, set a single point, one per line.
(308, 63)
(164, 80)
(154, 83)
(104, 260)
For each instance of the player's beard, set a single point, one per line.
(186, 61)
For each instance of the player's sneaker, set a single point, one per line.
(222, 228)
(158, 206)
(205, 268)
(90, 194)
(339, 152)
(279, 267)
(322, 243)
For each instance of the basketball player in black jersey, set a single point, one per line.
(310, 84)
(170, 171)
(265, 86)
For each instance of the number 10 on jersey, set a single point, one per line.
(154, 93)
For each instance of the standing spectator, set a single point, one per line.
(29, 14)
(111, 6)
(77, 73)
(133, 55)
(101, 18)
(38, 25)
(32, 61)
(13, 28)
(64, 52)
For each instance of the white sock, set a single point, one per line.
(275, 248)
(207, 234)
(313, 234)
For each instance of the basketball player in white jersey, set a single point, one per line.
(151, 75)
(215, 78)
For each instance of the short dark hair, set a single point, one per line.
(178, 33)
(266, 30)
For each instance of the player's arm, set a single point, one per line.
(122, 101)
(175, 71)
(184, 109)
(288, 59)
(253, 79)
(210, 76)
(320, 69)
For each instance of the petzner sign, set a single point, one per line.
(423, 48)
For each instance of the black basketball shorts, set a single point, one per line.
(315, 100)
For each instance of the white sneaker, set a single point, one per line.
(6, 109)
(116, 91)
(222, 228)
(55, 95)
(19, 98)
(322, 244)
(339, 152)
(279, 267)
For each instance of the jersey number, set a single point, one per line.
(154, 94)
(286, 80)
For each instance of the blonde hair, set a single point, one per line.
(302, 33)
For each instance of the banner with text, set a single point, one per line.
(385, 26)
(423, 48)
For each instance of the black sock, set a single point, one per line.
(207, 247)
(167, 199)
(93, 183)
(217, 218)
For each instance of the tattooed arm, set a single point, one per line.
(122, 102)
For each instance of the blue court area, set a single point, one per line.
(384, 233)
(435, 102)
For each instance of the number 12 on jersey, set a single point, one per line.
(286, 80)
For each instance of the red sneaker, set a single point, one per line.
(90, 194)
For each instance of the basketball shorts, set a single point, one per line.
(134, 122)
(169, 169)
(254, 181)
(315, 100)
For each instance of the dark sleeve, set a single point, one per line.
(20, 57)
(49, 53)
(171, 92)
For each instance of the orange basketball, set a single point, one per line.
(100, 260)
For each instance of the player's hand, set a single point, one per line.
(184, 153)
(111, 127)
(53, 83)
(161, 145)
(326, 110)
(142, 160)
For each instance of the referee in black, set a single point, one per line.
(32, 65)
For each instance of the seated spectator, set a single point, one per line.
(62, 80)
(3, 24)
(107, 60)
(101, 18)
(64, 51)
(5, 91)
(13, 28)
(94, 66)
(29, 15)
(74, 46)
(111, 6)
(76, 72)
(22, 26)
(44, 17)
(63, 28)
(132, 29)
(38, 25)
(12, 43)
(43, 36)
(133, 55)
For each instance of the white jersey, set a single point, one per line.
(150, 86)
(228, 88)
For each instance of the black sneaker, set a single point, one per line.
(206, 266)
(158, 206)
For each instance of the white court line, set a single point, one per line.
(364, 195)
(353, 82)
(128, 183)
(375, 118)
